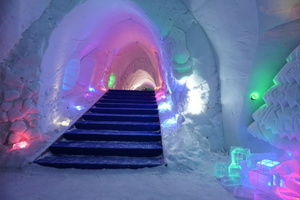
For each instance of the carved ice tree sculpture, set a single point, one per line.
(278, 121)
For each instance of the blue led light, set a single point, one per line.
(92, 89)
(79, 107)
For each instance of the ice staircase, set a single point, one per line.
(122, 130)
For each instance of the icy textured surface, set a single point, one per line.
(193, 95)
(279, 31)
(278, 121)
(16, 17)
(20, 75)
(232, 36)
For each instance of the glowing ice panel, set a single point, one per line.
(71, 74)
(238, 154)
(221, 169)
(112, 80)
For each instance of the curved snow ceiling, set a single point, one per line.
(96, 41)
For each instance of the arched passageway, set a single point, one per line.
(96, 41)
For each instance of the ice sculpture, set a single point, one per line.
(261, 175)
(278, 121)
(237, 154)
(230, 174)
(289, 186)
(71, 74)
(221, 169)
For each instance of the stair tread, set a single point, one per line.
(108, 145)
(112, 132)
(152, 100)
(104, 160)
(131, 91)
(122, 130)
(129, 111)
(97, 108)
(123, 115)
(128, 97)
(117, 123)
(154, 104)
(101, 135)
(127, 101)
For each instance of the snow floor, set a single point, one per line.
(34, 182)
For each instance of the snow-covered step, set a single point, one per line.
(102, 135)
(114, 125)
(99, 162)
(134, 149)
(133, 111)
(128, 97)
(122, 130)
(127, 101)
(125, 105)
(132, 92)
(120, 117)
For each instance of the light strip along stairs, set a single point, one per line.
(122, 130)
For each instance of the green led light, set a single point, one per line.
(237, 154)
(184, 69)
(275, 82)
(180, 58)
(234, 170)
(112, 80)
(254, 96)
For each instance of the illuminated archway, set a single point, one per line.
(97, 39)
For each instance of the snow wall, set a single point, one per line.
(200, 56)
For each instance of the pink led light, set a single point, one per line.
(20, 145)
(103, 89)
(160, 95)
(290, 177)
(287, 194)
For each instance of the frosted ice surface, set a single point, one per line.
(278, 121)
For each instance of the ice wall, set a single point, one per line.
(232, 27)
(191, 117)
(16, 17)
(20, 84)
